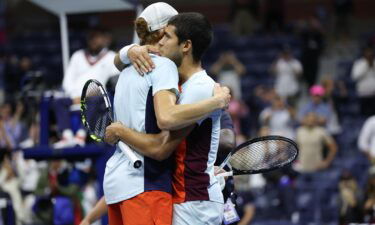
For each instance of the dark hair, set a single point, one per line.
(194, 27)
(145, 36)
(97, 31)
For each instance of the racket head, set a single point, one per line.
(263, 154)
(96, 109)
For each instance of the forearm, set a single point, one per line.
(180, 116)
(332, 152)
(156, 146)
(227, 141)
(98, 211)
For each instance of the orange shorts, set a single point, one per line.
(148, 208)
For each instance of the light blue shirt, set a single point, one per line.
(121, 180)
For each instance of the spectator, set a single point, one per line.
(312, 46)
(311, 139)
(238, 110)
(245, 198)
(244, 15)
(59, 180)
(369, 199)
(316, 105)
(228, 70)
(15, 71)
(278, 118)
(363, 73)
(336, 94)
(10, 125)
(366, 139)
(350, 195)
(287, 70)
(9, 183)
(343, 9)
(33, 136)
(274, 15)
(95, 62)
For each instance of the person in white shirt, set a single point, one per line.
(278, 118)
(366, 139)
(287, 70)
(363, 73)
(94, 62)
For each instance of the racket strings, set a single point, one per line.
(263, 155)
(96, 112)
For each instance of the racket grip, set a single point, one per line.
(225, 174)
(130, 154)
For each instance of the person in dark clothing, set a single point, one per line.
(312, 46)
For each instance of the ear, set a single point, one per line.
(187, 46)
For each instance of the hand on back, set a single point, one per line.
(140, 58)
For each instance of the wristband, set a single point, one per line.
(123, 53)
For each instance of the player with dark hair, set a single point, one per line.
(197, 194)
(143, 195)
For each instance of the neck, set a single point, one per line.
(188, 68)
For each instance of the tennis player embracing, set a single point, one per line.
(197, 194)
(145, 104)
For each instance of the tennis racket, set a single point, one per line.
(260, 155)
(96, 112)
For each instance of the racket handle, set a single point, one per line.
(225, 174)
(130, 154)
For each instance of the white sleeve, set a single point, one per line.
(70, 75)
(123, 53)
(196, 93)
(297, 67)
(165, 77)
(359, 69)
(364, 137)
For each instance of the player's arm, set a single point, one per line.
(171, 116)
(136, 55)
(156, 146)
(94, 214)
(227, 140)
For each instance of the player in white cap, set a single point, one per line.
(143, 196)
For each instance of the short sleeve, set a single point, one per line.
(197, 92)
(164, 76)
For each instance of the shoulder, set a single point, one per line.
(111, 54)
(78, 54)
(371, 121)
(322, 131)
(359, 62)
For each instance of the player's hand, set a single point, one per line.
(218, 170)
(140, 58)
(112, 133)
(222, 94)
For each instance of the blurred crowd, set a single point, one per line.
(301, 103)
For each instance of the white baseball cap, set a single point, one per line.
(157, 15)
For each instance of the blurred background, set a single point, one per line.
(303, 69)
